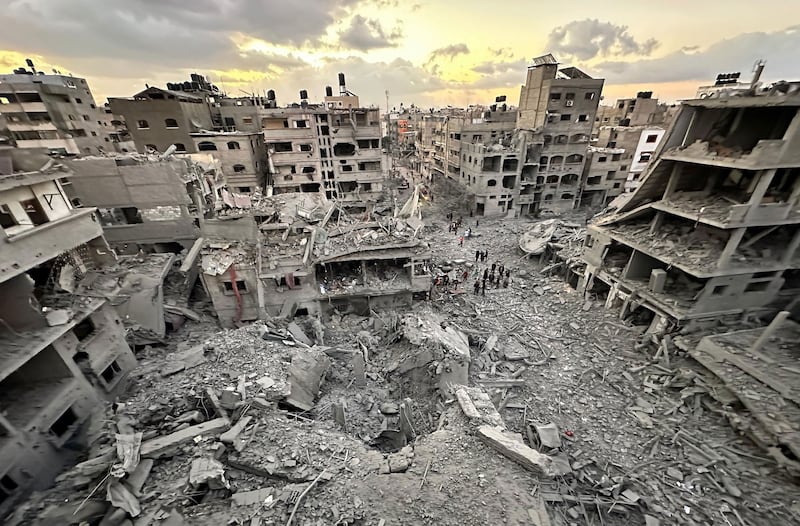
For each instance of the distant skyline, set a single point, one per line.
(431, 54)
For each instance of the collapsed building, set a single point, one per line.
(714, 228)
(62, 347)
(144, 202)
(302, 254)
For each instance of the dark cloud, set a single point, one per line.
(364, 34)
(738, 53)
(169, 32)
(590, 38)
(451, 51)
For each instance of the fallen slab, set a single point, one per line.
(511, 446)
(161, 446)
(305, 375)
(230, 435)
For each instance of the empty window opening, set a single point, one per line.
(281, 147)
(34, 211)
(84, 329)
(142, 125)
(566, 117)
(241, 286)
(243, 189)
(180, 147)
(171, 123)
(344, 149)
(206, 146)
(239, 168)
(233, 145)
(491, 182)
(63, 423)
(583, 118)
(111, 372)
(652, 138)
(305, 148)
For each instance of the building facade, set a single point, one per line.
(61, 352)
(56, 112)
(557, 109)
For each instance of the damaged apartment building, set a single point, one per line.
(56, 112)
(714, 228)
(557, 109)
(145, 202)
(62, 346)
(625, 138)
(332, 148)
(298, 253)
(525, 160)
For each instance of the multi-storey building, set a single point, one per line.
(60, 352)
(242, 157)
(624, 139)
(714, 228)
(334, 148)
(159, 118)
(483, 154)
(56, 112)
(556, 113)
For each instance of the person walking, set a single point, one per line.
(485, 255)
(485, 274)
(477, 286)
(477, 255)
(465, 275)
(502, 269)
(505, 283)
(483, 288)
(508, 273)
(494, 266)
(461, 241)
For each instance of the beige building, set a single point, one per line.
(557, 110)
(56, 112)
(242, 157)
(61, 351)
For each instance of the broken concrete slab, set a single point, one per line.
(208, 471)
(231, 434)
(298, 334)
(305, 376)
(548, 434)
(511, 446)
(250, 498)
(466, 404)
(538, 515)
(136, 480)
(163, 445)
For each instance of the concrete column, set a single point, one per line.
(657, 221)
(364, 272)
(730, 248)
(674, 176)
(764, 180)
(776, 323)
(791, 249)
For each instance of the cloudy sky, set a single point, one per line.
(427, 52)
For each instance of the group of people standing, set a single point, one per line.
(502, 275)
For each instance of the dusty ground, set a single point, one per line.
(630, 424)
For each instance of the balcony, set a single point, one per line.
(27, 249)
(23, 107)
(764, 155)
(32, 126)
(68, 145)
